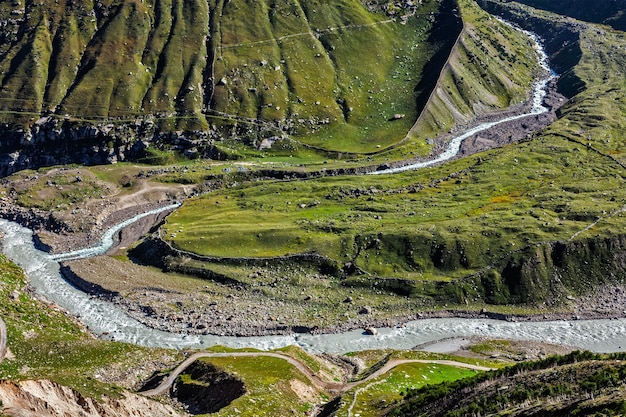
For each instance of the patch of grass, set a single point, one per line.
(51, 189)
(269, 384)
(47, 344)
(417, 354)
(377, 395)
(113, 173)
(157, 157)
(298, 353)
(489, 346)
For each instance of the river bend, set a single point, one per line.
(109, 321)
(454, 146)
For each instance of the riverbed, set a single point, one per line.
(110, 322)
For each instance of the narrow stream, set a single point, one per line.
(106, 242)
(538, 95)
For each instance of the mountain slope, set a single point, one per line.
(103, 59)
(577, 384)
(348, 77)
(178, 60)
(491, 67)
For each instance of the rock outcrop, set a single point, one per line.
(45, 398)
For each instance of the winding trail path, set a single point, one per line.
(334, 387)
(307, 33)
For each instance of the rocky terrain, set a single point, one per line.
(80, 219)
(227, 311)
(45, 398)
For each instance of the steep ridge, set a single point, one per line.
(103, 59)
(107, 81)
(490, 68)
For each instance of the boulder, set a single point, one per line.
(370, 331)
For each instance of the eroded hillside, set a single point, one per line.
(107, 81)
(184, 61)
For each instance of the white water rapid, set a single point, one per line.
(107, 239)
(454, 146)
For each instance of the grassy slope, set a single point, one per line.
(370, 399)
(329, 69)
(445, 222)
(46, 344)
(272, 384)
(576, 384)
(490, 68)
(335, 73)
(333, 76)
(111, 60)
(595, 117)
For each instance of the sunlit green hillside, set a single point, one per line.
(345, 77)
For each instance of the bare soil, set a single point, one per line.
(503, 350)
(47, 399)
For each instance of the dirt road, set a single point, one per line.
(333, 387)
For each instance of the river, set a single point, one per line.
(537, 97)
(109, 321)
